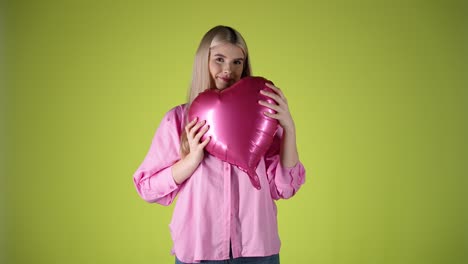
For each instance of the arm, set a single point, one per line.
(163, 171)
(185, 167)
(284, 181)
(283, 165)
(153, 179)
(288, 149)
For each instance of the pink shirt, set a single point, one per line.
(218, 202)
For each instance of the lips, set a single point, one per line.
(225, 79)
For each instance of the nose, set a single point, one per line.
(227, 68)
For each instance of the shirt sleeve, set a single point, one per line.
(284, 182)
(153, 178)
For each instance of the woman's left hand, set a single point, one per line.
(281, 107)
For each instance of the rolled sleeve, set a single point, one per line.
(153, 179)
(289, 180)
(284, 181)
(158, 187)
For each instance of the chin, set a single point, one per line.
(222, 86)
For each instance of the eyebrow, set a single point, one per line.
(221, 55)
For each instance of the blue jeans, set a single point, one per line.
(274, 259)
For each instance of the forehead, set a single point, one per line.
(227, 49)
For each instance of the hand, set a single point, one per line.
(281, 107)
(288, 150)
(194, 134)
(184, 168)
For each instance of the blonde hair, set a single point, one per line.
(201, 78)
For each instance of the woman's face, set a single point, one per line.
(226, 64)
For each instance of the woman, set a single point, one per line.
(219, 216)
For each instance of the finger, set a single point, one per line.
(200, 133)
(205, 142)
(275, 107)
(276, 89)
(190, 124)
(273, 96)
(273, 87)
(195, 128)
(275, 116)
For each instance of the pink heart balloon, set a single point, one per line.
(240, 132)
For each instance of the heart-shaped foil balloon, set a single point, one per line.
(240, 132)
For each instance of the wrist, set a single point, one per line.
(184, 168)
(191, 160)
(290, 129)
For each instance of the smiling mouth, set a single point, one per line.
(226, 80)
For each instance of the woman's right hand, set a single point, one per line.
(194, 135)
(184, 168)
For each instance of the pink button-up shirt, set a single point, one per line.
(218, 202)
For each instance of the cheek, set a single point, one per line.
(212, 68)
(239, 71)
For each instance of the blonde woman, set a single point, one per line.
(219, 216)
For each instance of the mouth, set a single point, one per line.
(226, 80)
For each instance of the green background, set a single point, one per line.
(378, 91)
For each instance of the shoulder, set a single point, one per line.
(177, 112)
(175, 116)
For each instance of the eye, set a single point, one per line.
(238, 62)
(219, 59)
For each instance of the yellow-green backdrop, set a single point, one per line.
(378, 90)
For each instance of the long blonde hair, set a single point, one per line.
(201, 78)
